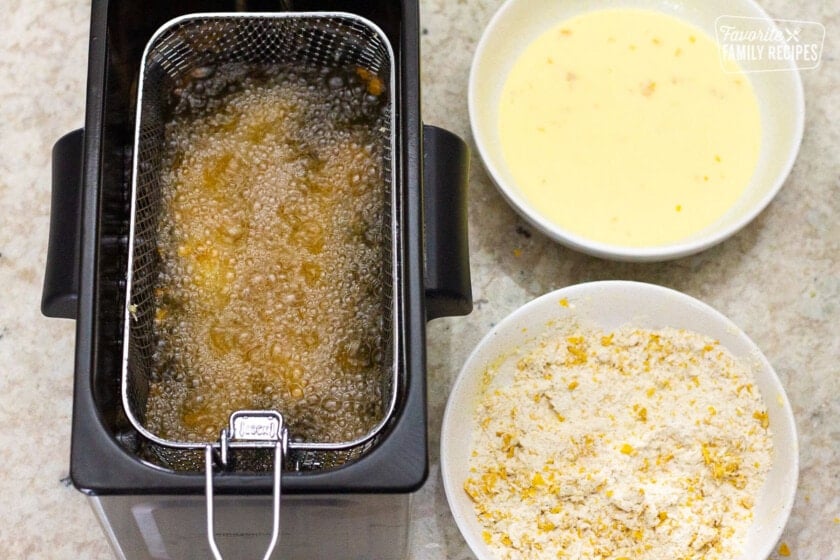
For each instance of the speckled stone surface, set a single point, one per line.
(779, 279)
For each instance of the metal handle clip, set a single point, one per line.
(249, 429)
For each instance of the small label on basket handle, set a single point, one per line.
(256, 425)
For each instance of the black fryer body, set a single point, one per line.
(102, 461)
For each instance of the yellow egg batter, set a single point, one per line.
(622, 126)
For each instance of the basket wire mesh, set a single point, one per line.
(330, 40)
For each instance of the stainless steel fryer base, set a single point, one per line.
(316, 527)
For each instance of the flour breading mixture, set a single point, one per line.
(642, 444)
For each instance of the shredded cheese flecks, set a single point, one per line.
(627, 444)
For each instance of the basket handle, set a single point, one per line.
(248, 429)
(446, 167)
(60, 295)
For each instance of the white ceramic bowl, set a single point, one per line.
(519, 22)
(609, 305)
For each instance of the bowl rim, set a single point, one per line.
(472, 366)
(612, 251)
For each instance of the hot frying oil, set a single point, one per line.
(271, 239)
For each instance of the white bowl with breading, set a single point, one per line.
(608, 306)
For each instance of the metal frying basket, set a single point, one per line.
(320, 40)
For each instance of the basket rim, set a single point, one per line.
(397, 296)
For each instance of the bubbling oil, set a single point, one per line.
(271, 239)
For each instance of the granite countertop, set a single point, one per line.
(779, 279)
